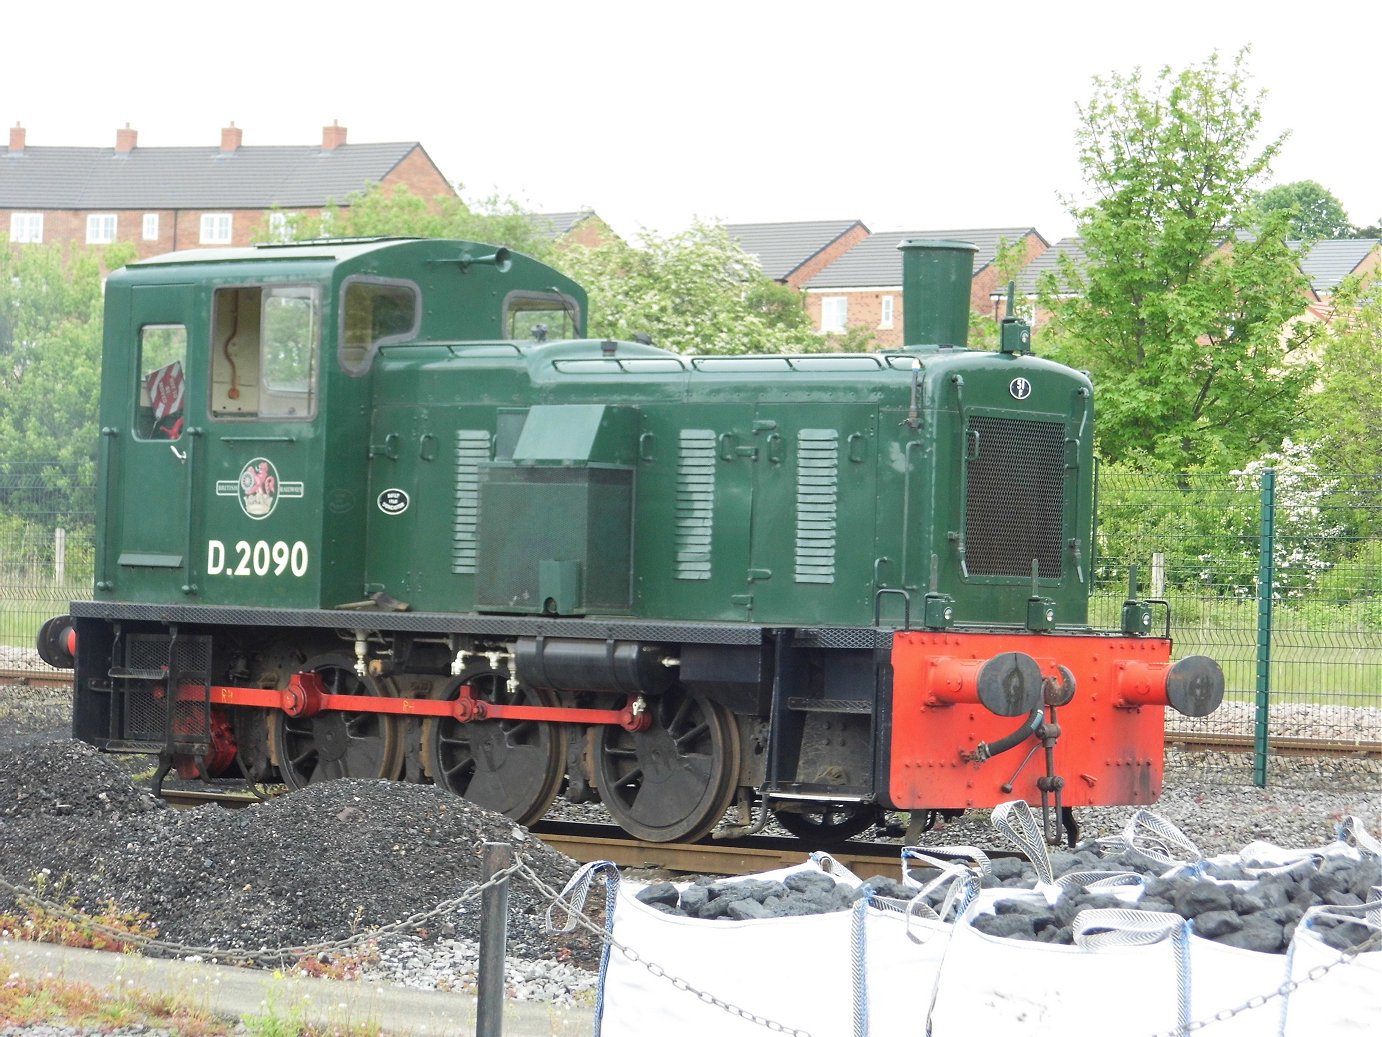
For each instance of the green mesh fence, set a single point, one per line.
(46, 547)
(1309, 647)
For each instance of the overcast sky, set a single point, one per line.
(908, 116)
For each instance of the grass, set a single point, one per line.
(26, 1001)
(21, 614)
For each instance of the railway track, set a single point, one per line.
(594, 842)
(35, 678)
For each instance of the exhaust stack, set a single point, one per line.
(936, 279)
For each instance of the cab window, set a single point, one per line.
(375, 312)
(265, 344)
(540, 316)
(161, 390)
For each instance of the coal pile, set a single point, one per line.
(327, 863)
(1242, 903)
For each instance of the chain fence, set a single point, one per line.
(1276, 573)
(569, 905)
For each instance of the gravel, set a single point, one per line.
(337, 860)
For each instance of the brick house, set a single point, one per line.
(1324, 263)
(863, 288)
(169, 198)
(582, 227)
(793, 253)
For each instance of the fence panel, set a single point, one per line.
(46, 545)
(1302, 650)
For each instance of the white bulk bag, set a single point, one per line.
(688, 977)
(1333, 991)
(1125, 974)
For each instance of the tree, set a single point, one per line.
(50, 368)
(1315, 214)
(397, 212)
(1346, 408)
(1008, 261)
(1179, 308)
(694, 292)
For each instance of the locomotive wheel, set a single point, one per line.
(674, 781)
(336, 744)
(513, 767)
(827, 824)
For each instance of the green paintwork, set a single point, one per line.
(463, 472)
(935, 305)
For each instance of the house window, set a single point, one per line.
(151, 226)
(215, 228)
(885, 318)
(834, 313)
(100, 228)
(280, 228)
(26, 228)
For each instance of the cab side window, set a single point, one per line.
(540, 316)
(375, 312)
(265, 345)
(161, 390)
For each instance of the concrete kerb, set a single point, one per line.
(239, 993)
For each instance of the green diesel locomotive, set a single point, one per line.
(378, 509)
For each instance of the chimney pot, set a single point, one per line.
(333, 136)
(125, 139)
(16, 137)
(231, 137)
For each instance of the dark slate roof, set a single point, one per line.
(1049, 262)
(782, 248)
(557, 224)
(191, 178)
(876, 262)
(1327, 263)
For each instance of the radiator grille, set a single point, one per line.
(695, 504)
(472, 449)
(818, 483)
(1015, 497)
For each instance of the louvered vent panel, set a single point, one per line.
(1015, 497)
(818, 483)
(472, 448)
(695, 517)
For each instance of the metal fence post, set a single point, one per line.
(1266, 546)
(494, 935)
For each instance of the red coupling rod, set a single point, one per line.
(306, 696)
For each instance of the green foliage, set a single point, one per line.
(1178, 316)
(50, 364)
(1008, 261)
(856, 338)
(1314, 212)
(694, 292)
(397, 212)
(1208, 528)
(1345, 405)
